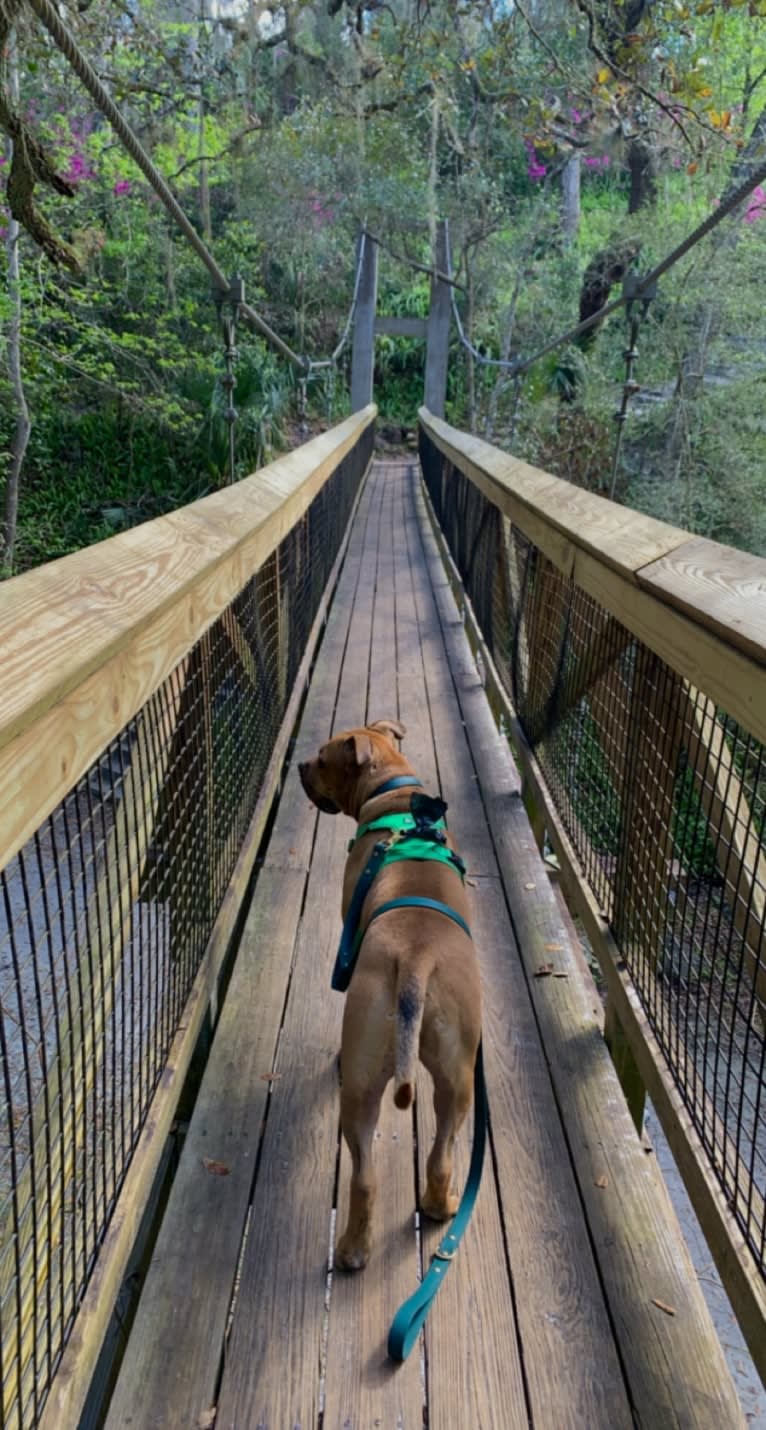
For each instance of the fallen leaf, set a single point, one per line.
(692, 168)
(207, 1418)
(669, 1310)
(553, 947)
(291, 851)
(601, 1182)
(218, 1169)
(270, 1077)
(544, 971)
(530, 886)
(471, 883)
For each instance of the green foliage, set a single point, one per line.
(301, 125)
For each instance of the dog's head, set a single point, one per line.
(347, 769)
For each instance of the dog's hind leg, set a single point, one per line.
(451, 1103)
(359, 1115)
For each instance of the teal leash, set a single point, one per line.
(425, 829)
(410, 1318)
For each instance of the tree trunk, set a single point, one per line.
(505, 352)
(470, 365)
(204, 183)
(570, 200)
(642, 163)
(23, 423)
(692, 374)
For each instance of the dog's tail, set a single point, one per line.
(410, 998)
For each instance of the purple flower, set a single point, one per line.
(757, 207)
(78, 170)
(576, 116)
(123, 186)
(536, 170)
(593, 161)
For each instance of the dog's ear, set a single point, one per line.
(394, 729)
(359, 749)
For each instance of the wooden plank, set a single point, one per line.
(635, 1232)
(605, 548)
(484, 1383)
(719, 587)
(562, 1321)
(360, 1387)
(271, 1375)
(729, 677)
(173, 1358)
(71, 1384)
(86, 640)
(401, 327)
(624, 539)
(738, 1271)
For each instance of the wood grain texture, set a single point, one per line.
(275, 1350)
(739, 1273)
(173, 1359)
(676, 1373)
(475, 1308)
(726, 674)
(362, 1386)
(73, 1378)
(562, 1318)
(706, 634)
(624, 539)
(86, 640)
(718, 586)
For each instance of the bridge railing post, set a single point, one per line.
(363, 348)
(437, 348)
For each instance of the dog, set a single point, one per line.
(415, 990)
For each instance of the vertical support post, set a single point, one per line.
(625, 1064)
(363, 348)
(437, 342)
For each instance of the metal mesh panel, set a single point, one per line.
(664, 799)
(105, 916)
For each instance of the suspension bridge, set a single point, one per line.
(586, 687)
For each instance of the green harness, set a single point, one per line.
(420, 835)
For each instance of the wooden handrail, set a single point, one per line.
(701, 608)
(698, 605)
(85, 640)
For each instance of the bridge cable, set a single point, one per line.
(518, 366)
(85, 72)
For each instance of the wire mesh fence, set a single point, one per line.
(663, 796)
(105, 916)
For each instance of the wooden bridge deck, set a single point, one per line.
(572, 1301)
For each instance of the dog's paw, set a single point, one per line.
(351, 1255)
(440, 1210)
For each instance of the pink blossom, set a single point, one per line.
(757, 207)
(596, 162)
(123, 186)
(576, 116)
(78, 170)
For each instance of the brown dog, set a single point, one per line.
(415, 990)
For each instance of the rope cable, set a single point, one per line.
(66, 42)
(518, 366)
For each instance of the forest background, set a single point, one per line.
(567, 142)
